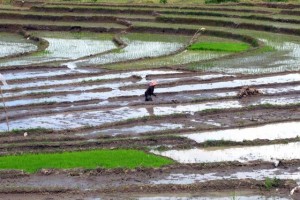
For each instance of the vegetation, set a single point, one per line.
(219, 46)
(277, 0)
(31, 130)
(220, 1)
(271, 183)
(83, 159)
(42, 53)
(216, 143)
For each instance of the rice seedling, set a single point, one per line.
(212, 46)
(119, 158)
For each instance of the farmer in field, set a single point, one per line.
(150, 91)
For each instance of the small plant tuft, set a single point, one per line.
(220, 1)
(271, 183)
(163, 1)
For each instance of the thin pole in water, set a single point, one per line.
(5, 110)
(2, 79)
(196, 34)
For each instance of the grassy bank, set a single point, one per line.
(83, 159)
(219, 46)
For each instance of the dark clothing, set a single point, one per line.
(148, 93)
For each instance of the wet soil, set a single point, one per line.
(139, 180)
(101, 136)
(157, 125)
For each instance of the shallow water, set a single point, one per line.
(223, 197)
(116, 92)
(134, 129)
(235, 83)
(269, 131)
(13, 48)
(142, 74)
(178, 59)
(134, 50)
(11, 44)
(242, 154)
(261, 174)
(64, 49)
(99, 117)
(286, 57)
(44, 73)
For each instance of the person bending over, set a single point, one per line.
(150, 91)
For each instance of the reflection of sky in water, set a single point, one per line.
(85, 95)
(41, 73)
(134, 50)
(270, 132)
(46, 82)
(242, 154)
(134, 129)
(11, 48)
(286, 57)
(64, 49)
(99, 117)
(204, 197)
(255, 174)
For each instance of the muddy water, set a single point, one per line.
(64, 49)
(134, 129)
(261, 174)
(286, 57)
(178, 59)
(142, 74)
(86, 95)
(12, 48)
(242, 154)
(189, 77)
(280, 89)
(44, 73)
(98, 117)
(235, 83)
(270, 132)
(252, 197)
(133, 51)
(224, 195)
(11, 44)
(116, 92)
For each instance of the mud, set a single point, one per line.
(245, 154)
(93, 108)
(270, 132)
(146, 180)
(56, 52)
(14, 45)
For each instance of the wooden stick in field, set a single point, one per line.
(2, 79)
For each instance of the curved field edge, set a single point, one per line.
(40, 42)
(254, 45)
(147, 119)
(221, 46)
(119, 158)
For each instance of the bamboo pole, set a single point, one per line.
(197, 33)
(5, 110)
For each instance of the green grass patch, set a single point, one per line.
(271, 183)
(73, 35)
(219, 46)
(276, 0)
(220, 1)
(30, 130)
(150, 37)
(42, 53)
(83, 159)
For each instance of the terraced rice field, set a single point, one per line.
(77, 73)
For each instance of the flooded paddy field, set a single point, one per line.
(77, 75)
